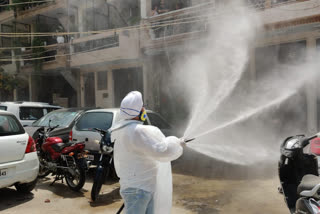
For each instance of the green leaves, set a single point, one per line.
(8, 82)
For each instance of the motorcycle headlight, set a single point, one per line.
(292, 144)
(107, 149)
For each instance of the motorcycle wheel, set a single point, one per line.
(43, 170)
(101, 174)
(76, 181)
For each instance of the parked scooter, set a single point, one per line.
(105, 165)
(64, 160)
(298, 173)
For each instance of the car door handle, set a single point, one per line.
(22, 142)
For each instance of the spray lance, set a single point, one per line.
(189, 140)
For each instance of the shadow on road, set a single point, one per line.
(107, 198)
(59, 188)
(9, 198)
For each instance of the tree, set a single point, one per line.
(8, 82)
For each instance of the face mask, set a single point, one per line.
(143, 115)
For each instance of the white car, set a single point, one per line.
(19, 164)
(82, 131)
(28, 112)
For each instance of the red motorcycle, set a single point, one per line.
(64, 160)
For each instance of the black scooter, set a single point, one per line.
(105, 166)
(298, 173)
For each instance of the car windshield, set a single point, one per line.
(90, 120)
(9, 125)
(61, 118)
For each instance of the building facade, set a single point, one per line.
(108, 48)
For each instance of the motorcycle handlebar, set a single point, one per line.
(101, 131)
(305, 141)
(52, 128)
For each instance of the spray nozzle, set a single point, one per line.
(189, 140)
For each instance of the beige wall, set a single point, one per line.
(128, 49)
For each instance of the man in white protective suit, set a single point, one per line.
(142, 159)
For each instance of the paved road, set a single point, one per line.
(191, 195)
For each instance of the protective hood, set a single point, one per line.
(131, 105)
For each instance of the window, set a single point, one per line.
(30, 113)
(4, 108)
(158, 121)
(9, 125)
(101, 120)
(102, 80)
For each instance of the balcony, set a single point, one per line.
(51, 58)
(5, 13)
(30, 10)
(291, 13)
(105, 48)
(176, 26)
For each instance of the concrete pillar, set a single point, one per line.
(30, 87)
(82, 104)
(311, 92)
(81, 23)
(149, 83)
(146, 7)
(15, 95)
(78, 89)
(96, 88)
(145, 71)
(111, 88)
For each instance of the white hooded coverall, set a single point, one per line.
(142, 156)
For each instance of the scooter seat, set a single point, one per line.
(308, 182)
(59, 146)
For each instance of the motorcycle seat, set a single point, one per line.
(308, 182)
(60, 146)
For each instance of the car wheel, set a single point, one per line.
(27, 187)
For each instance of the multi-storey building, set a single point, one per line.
(123, 45)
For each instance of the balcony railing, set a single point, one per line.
(186, 20)
(33, 4)
(257, 4)
(44, 55)
(5, 54)
(4, 8)
(96, 44)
